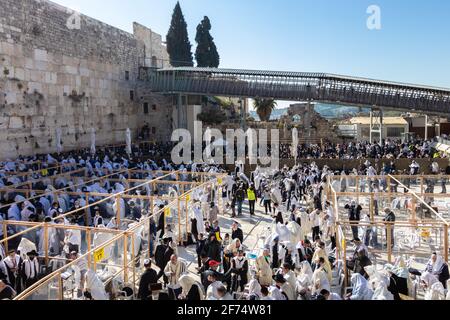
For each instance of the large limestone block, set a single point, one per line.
(40, 55)
(16, 123)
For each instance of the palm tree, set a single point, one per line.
(264, 108)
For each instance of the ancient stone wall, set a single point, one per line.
(57, 74)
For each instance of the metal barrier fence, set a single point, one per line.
(114, 260)
(412, 234)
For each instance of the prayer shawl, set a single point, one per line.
(2, 250)
(320, 253)
(435, 267)
(276, 294)
(381, 288)
(361, 290)
(31, 268)
(305, 278)
(264, 271)
(196, 213)
(95, 286)
(435, 292)
(178, 269)
(291, 278)
(9, 264)
(320, 281)
(232, 248)
(254, 288)
(186, 282)
(14, 213)
(289, 291)
(25, 246)
(305, 223)
(211, 293)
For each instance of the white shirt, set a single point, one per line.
(31, 268)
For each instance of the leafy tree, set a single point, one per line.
(178, 45)
(206, 53)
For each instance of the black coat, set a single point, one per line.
(213, 250)
(238, 234)
(354, 212)
(162, 255)
(200, 245)
(148, 277)
(194, 293)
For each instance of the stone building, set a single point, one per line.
(312, 127)
(62, 69)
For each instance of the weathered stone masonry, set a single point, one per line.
(53, 76)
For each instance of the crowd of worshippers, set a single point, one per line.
(389, 149)
(19, 270)
(298, 260)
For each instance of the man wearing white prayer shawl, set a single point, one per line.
(361, 290)
(45, 205)
(263, 267)
(196, 213)
(305, 278)
(14, 214)
(434, 290)
(380, 284)
(289, 275)
(320, 279)
(187, 283)
(95, 286)
(120, 208)
(276, 294)
(254, 288)
(211, 292)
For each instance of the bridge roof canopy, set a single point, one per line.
(309, 75)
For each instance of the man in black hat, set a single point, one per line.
(161, 221)
(135, 210)
(148, 278)
(239, 270)
(13, 264)
(163, 253)
(6, 291)
(284, 287)
(30, 269)
(236, 232)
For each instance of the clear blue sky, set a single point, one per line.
(306, 35)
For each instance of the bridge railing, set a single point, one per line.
(330, 89)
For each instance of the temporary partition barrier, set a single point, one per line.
(114, 261)
(413, 234)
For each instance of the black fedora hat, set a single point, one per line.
(279, 278)
(32, 253)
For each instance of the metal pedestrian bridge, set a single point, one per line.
(298, 86)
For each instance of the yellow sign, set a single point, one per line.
(167, 212)
(425, 233)
(99, 255)
(44, 172)
(188, 197)
(219, 180)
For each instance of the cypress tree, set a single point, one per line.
(178, 45)
(206, 53)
